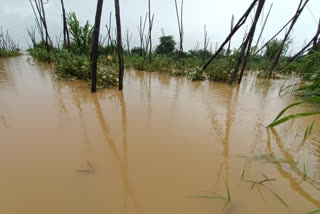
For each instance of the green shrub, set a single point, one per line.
(197, 75)
(8, 53)
(39, 54)
(221, 70)
(70, 66)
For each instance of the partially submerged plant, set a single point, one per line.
(277, 121)
(227, 198)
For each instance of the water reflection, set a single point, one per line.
(122, 162)
(294, 183)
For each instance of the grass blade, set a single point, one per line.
(290, 117)
(285, 109)
(214, 197)
(229, 197)
(280, 199)
(313, 212)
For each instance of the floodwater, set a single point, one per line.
(151, 149)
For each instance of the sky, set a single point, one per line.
(16, 16)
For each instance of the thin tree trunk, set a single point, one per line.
(316, 40)
(246, 46)
(119, 43)
(229, 46)
(205, 44)
(180, 27)
(150, 30)
(241, 21)
(264, 25)
(294, 20)
(251, 35)
(95, 41)
(66, 38)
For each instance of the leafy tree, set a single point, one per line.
(81, 36)
(137, 50)
(273, 47)
(166, 45)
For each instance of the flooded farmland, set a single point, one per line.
(164, 145)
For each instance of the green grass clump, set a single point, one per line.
(9, 53)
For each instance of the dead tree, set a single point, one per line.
(109, 33)
(294, 20)
(229, 46)
(264, 25)
(316, 40)
(128, 40)
(95, 41)
(141, 29)
(147, 44)
(180, 26)
(119, 43)
(38, 23)
(42, 16)
(246, 47)
(241, 21)
(32, 36)
(66, 38)
(150, 31)
(205, 44)
(313, 44)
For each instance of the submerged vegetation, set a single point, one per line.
(8, 47)
(75, 63)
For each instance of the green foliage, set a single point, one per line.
(137, 51)
(70, 66)
(221, 70)
(199, 53)
(197, 74)
(107, 50)
(81, 36)
(273, 47)
(166, 45)
(8, 53)
(40, 54)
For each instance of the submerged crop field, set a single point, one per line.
(120, 115)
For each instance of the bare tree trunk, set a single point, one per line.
(46, 30)
(95, 41)
(241, 21)
(294, 20)
(250, 37)
(150, 30)
(141, 29)
(38, 23)
(205, 44)
(246, 46)
(32, 35)
(316, 40)
(66, 38)
(180, 27)
(232, 22)
(128, 40)
(42, 17)
(264, 25)
(119, 43)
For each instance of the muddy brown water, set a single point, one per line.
(149, 150)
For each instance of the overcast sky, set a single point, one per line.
(17, 15)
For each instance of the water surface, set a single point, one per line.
(151, 148)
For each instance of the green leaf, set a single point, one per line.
(290, 117)
(280, 199)
(285, 109)
(313, 212)
(214, 197)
